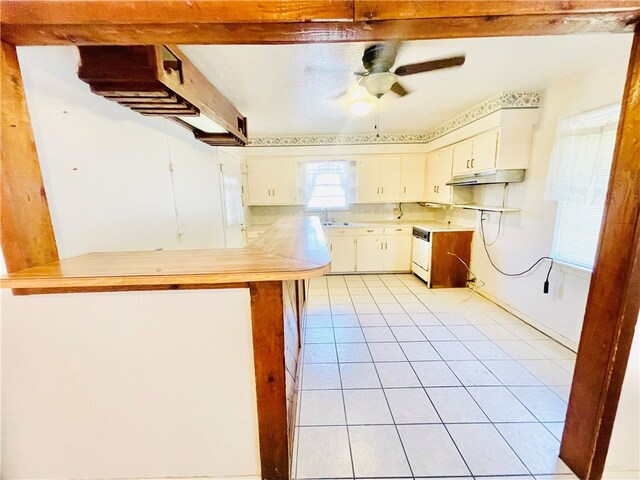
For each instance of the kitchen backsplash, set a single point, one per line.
(359, 213)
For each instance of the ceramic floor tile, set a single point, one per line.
(366, 309)
(348, 335)
(353, 353)
(405, 298)
(437, 333)
(408, 334)
(373, 320)
(453, 351)
(319, 321)
(379, 290)
(359, 375)
(338, 291)
(321, 407)
(520, 350)
(419, 351)
(377, 452)
(362, 299)
(473, 373)
(319, 353)
(342, 310)
(455, 405)
(345, 321)
(542, 402)
(486, 350)
(384, 298)
(548, 372)
(318, 335)
(566, 364)
(415, 308)
(424, 319)
(367, 407)
(500, 405)
(358, 290)
(435, 374)
(510, 372)
(387, 352)
(535, 446)
(562, 391)
(320, 376)
(398, 319)
(485, 451)
(496, 332)
(475, 317)
(431, 451)
(466, 332)
(411, 405)
(556, 429)
(390, 308)
(399, 290)
(525, 332)
(504, 318)
(378, 334)
(340, 300)
(323, 452)
(319, 310)
(397, 374)
(552, 349)
(450, 318)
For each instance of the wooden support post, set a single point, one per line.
(25, 223)
(614, 298)
(267, 315)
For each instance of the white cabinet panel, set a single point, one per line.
(379, 179)
(484, 152)
(369, 254)
(272, 181)
(369, 180)
(343, 253)
(412, 176)
(438, 173)
(462, 153)
(397, 253)
(390, 172)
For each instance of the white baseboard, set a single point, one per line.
(571, 345)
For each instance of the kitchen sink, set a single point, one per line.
(334, 224)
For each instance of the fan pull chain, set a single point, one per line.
(377, 126)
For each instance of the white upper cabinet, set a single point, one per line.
(412, 174)
(438, 173)
(379, 179)
(476, 154)
(272, 181)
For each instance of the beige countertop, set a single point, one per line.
(433, 226)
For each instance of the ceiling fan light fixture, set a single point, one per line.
(377, 84)
(361, 106)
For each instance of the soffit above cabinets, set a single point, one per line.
(292, 89)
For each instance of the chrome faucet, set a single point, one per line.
(326, 216)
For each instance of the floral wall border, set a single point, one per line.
(503, 100)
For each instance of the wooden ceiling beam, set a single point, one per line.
(321, 32)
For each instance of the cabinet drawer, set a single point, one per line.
(370, 231)
(339, 232)
(404, 230)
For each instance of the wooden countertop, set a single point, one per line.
(292, 249)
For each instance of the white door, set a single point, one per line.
(462, 153)
(369, 180)
(231, 180)
(443, 175)
(397, 253)
(485, 148)
(369, 257)
(412, 178)
(343, 253)
(390, 173)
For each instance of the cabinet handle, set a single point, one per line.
(378, 190)
(381, 245)
(405, 190)
(385, 245)
(274, 192)
(434, 189)
(472, 162)
(382, 189)
(331, 247)
(438, 189)
(468, 163)
(370, 231)
(398, 229)
(269, 192)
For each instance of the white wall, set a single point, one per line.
(106, 169)
(528, 234)
(124, 385)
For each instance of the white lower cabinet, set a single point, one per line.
(343, 253)
(370, 254)
(397, 253)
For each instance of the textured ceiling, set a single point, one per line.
(292, 89)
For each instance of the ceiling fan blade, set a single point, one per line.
(381, 57)
(429, 66)
(399, 89)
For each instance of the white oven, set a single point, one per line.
(421, 257)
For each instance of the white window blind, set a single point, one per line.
(578, 179)
(328, 184)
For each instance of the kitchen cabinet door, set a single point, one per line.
(343, 253)
(258, 182)
(485, 148)
(443, 175)
(390, 173)
(431, 177)
(397, 253)
(412, 178)
(462, 154)
(369, 180)
(271, 181)
(369, 254)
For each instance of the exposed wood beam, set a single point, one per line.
(25, 223)
(67, 22)
(613, 302)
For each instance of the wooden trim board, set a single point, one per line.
(613, 302)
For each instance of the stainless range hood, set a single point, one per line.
(486, 177)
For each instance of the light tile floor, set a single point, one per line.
(399, 381)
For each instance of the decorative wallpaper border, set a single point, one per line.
(503, 100)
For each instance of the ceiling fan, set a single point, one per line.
(378, 59)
